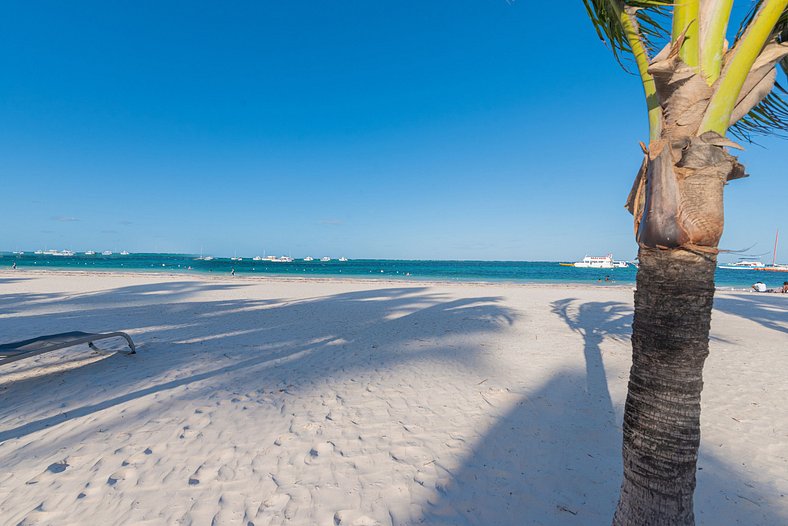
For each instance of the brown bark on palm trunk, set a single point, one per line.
(673, 302)
(677, 201)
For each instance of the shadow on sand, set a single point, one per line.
(554, 458)
(239, 339)
(767, 309)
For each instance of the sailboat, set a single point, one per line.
(775, 267)
(204, 258)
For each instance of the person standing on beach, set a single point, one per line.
(13, 267)
(232, 271)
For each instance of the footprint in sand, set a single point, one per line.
(53, 469)
(319, 453)
(57, 467)
(122, 478)
(88, 490)
(137, 458)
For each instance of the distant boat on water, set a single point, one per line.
(775, 267)
(124, 253)
(743, 264)
(606, 262)
(325, 259)
(204, 258)
(90, 253)
(106, 253)
(309, 258)
(274, 259)
(343, 259)
(59, 253)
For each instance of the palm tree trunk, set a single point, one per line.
(670, 342)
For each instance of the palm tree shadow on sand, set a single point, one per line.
(769, 310)
(239, 342)
(555, 458)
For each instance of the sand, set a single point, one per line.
(325, 402)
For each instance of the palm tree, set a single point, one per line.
(697, 88)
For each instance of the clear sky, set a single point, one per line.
(447, 129)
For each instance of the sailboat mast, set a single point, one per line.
(774, 254)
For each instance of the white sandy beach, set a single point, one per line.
(272, 401)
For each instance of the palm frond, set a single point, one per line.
(780, 29)
(769, 117)
(652, 16)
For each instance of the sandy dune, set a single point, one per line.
(359, 403)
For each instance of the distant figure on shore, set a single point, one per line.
(232, 272)
(759, 286)
(13, 267)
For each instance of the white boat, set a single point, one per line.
(19, 253)
(309, 258)
(744, 264)
(106, 253)
(236, 258)
(343, 259)
(325, 259)
(124, 253)
(775, 267)
(59, 253)
(257, 258)
(598, 262)
(204, 258)
(90, 253)
(38, 252)
(282, 259)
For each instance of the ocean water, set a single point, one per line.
(386, 269)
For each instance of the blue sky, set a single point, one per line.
(425, 130)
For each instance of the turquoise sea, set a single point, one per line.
(387, 269)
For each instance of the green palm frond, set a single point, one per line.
(653, 18)
(769, 117)
(780, 29)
